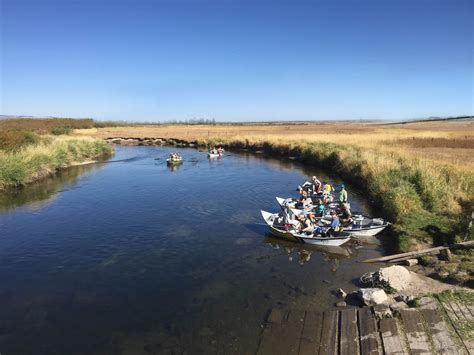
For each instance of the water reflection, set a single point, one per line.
(303, 252)
(38, 195)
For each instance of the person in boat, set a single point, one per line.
(312, 186)
(335, 224)
(312, 218)
(306, 224)
(220, 150)
(304, 202)
(343, 194)
(346, 215)
(327, 187)
(319, 210)
(327, 199)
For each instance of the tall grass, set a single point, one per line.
(51, 154)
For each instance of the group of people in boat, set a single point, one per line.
(318, 188)
(314, 201)
(175, 156)
(214, 150)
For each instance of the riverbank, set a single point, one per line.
(46, 157)
(426, 201)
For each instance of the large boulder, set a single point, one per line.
(391, 279)
(372, 296)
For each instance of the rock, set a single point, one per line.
(404, 298)
(372, 296)
(382, 311)
(392, 278)
(341, 293)
(206, 332)
(411, 262)
(397, 306)
(341, 304)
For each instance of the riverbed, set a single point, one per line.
(130, 256)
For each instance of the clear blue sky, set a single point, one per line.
(237, 60)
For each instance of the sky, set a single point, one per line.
(146, 60)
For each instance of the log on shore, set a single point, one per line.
(414, 254)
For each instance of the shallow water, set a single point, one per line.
(132, 257)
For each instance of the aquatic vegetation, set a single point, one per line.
(47, 156)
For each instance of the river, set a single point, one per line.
(129, 256)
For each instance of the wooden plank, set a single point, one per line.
(442, 341)
(271, 337)
(392, 340)
(419, 252)
(349, 344)
(470, 307)
(311, 334)
(398, 260)
(282, 337)
(464, 310)
(328, 345)
(457, 312)
(418, 340)
(276, 315)
(293, 329)
(369, 339)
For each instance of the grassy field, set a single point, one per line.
(421, 174)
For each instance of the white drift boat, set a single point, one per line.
(291, 203)
(360, 226)
(214, 155)
(279, 229)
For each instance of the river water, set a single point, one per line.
(129, 256)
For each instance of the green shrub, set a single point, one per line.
(60, 130)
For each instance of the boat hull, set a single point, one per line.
(303, 238)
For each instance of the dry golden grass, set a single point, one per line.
(447, 142)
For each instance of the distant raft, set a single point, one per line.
(174, 159)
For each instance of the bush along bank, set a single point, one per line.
(426, 201)
(46, 157)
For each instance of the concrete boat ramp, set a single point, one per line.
(431, 328)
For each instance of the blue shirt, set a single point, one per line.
(335, 222)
